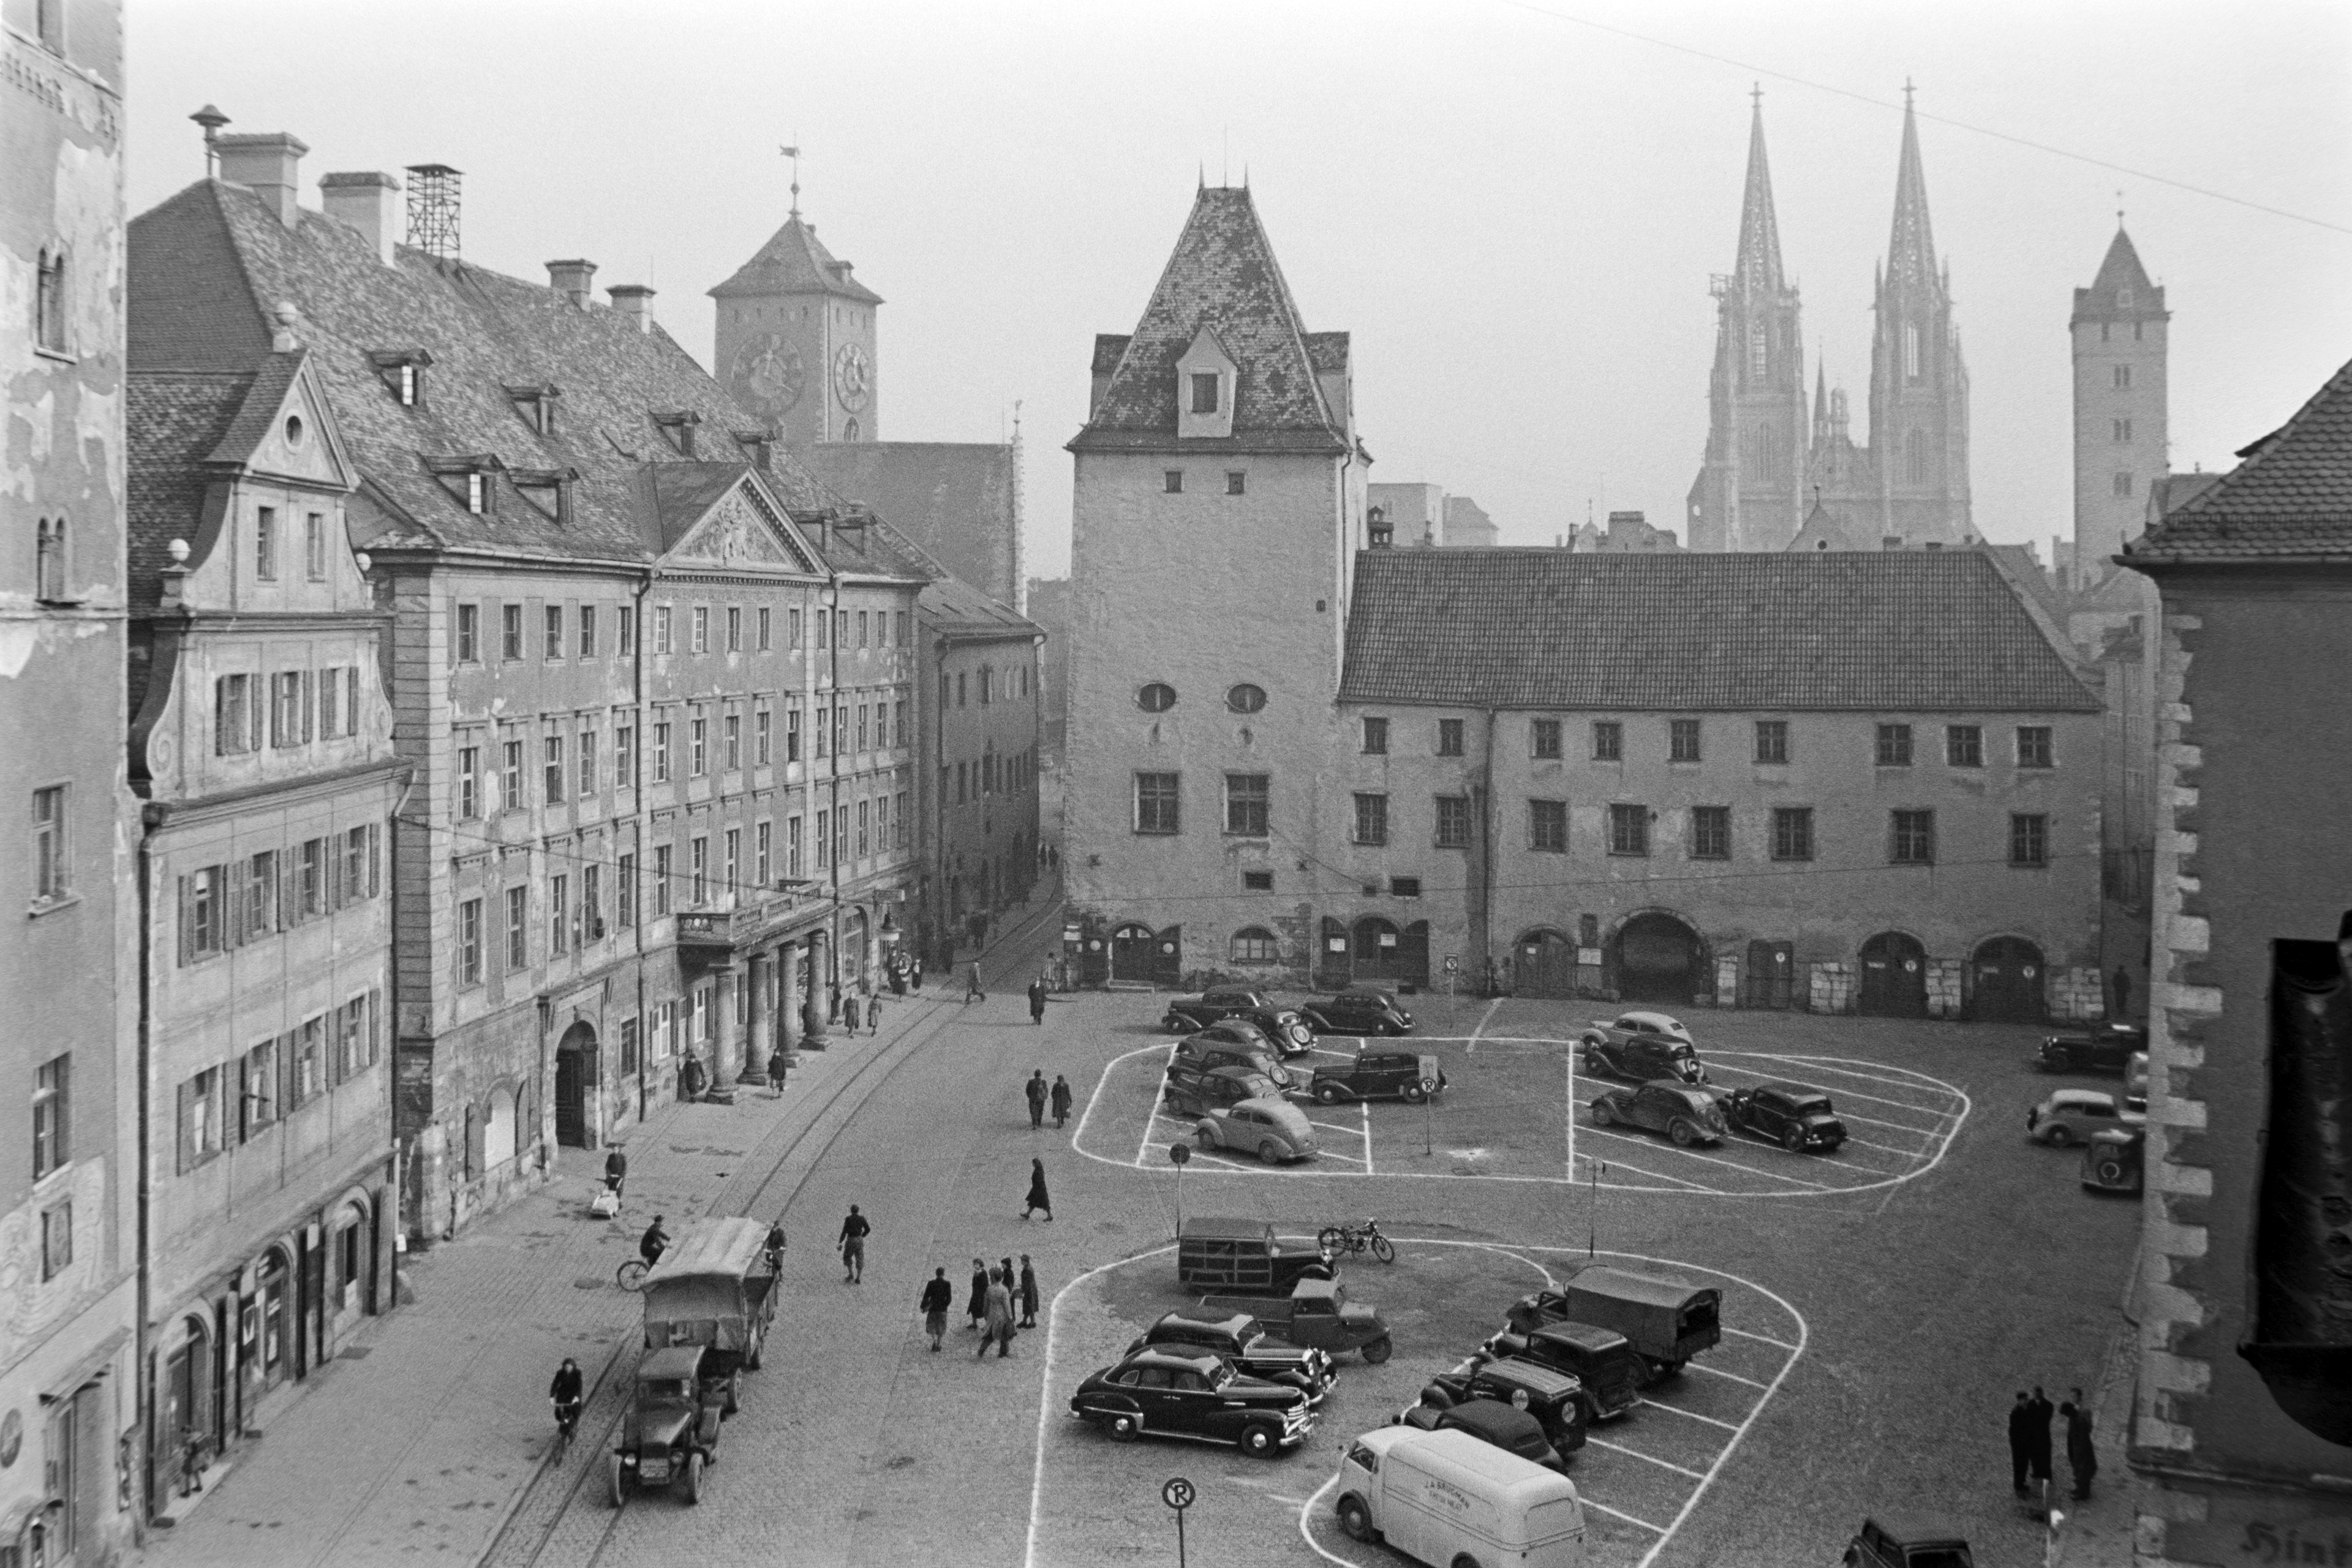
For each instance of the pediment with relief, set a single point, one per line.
(738, 530)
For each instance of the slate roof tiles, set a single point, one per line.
(2289, 502)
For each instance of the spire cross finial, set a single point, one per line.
(1755, 96)
(795, 154)
(2120, 209)
(1907, 90)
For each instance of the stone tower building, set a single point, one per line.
(2119, 329)
(1918, 381)
(796, 341)
(1219, 500)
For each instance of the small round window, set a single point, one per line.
(1157, 697)
(1245, 698)
(294, 430)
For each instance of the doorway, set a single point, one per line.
(1131, 954)
(1660, 959)
(575, 1085)
(1768, 983)
(1543, 963)
(1894, 977)
(2005, 976)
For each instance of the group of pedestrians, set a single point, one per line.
(1040, 1094)
(2029, 1447)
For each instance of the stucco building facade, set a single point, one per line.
(980, 745)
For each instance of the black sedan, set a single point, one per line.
(1187, 1014)
(1685, 1114)
(1185, 1394)
(2105, 1047)
(1378, 1075)
(1194, 1091)
(1357, 1011)
(1241, 1343)
(1798, 1119)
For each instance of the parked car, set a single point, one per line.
(2074, 1115)
(1685, 1114)
(1273, 1130)
(1223, 1047)
(2103, 1048)
(1796, 1119)
(1243, 1343)
(1555, 1398)
(1600, 1360)
(1193, 1395)
(2114, 1159)
(1358, 1010)
(670, 1430)
(1889, 1541)
(1194, 1092)
(1640, 1047)
(1666, 1321)
(1187, 1014)
(1287, 1028)
(2135, 1081)
(1378, 1075)
(1489, 1421)
(1447, 1497)
(1316, 1313)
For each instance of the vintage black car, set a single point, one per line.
(1555, 1398)
(670, 1431)
(1194, 1394)
(1223, 1047)
(1798, 1119)
(1241, 1343)
(1357, 1011)
(1640, 1057)
(1378, 1075)
(1187, 1014)
(1666, 1321)
(1192, 1091)
(2115, 1159)
(1888, 1542)
(1489, 1421)
(1684, 1113)
(1600, 1360)
(2106, 1048)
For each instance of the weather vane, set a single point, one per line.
(795, 154)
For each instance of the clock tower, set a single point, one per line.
(795, 340)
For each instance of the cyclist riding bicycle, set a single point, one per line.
(565, 1395)
(655, 1242)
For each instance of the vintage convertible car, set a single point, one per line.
(1688, 1115)
(1188, 1394)
(1798, 1119)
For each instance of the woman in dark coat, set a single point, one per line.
(1037, 1198)
(1028, 1294)
(977, 1307)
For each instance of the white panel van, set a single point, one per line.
(1450, 1501)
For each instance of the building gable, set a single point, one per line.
(741, 527)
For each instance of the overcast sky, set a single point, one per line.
(1514, 207)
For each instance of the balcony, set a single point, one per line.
(744, 918)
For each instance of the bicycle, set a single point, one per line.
(1334, 1239)
(567, 1416)
(631, 1276)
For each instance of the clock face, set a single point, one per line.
(769, 375)
(849, 373)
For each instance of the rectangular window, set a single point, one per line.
(359, 864)
(52, 1108)
(701, 630)
(1155, 803)
(309, 1062)
(1911, 838)
(861, 726)
(1449, 737)
(731, 857)
(587, 631)
(261, 895)
(469, 943)
(762, 835)
(840, 728)
(734, 628)
(355, 1038)
(1792, 833)
(1547, 825)
(2123, 376)
(864, 823)
(792, 847)
(824, 841)
(626, 630)
(56, 1240)
(1608, 740)
(2123, 432)
(234, 726)
(1682, 739)
(1257, 881)
(289, 713)
(698, 869)
(625, 756)
(793, 628)
(264, 544)
(554, 639)
(1245, 804)
(760, 739)
(731, 739)
(50, 851)
(1371, 819)
(901, 827)
(824, 629)
(1404, 887)
(203, 918)
(511, 633)
(2122, 484)
(584, 783)
(664, 639)
(2034, 746)
(1172, 482)
(517, 929)
(662, 874)
(1236, 482)
(1543, 739)
(861, 628)
(311, 879)
(1376, 737)
(2029, 839)
(698, 747)
(1452, 821)
(200, 1124)
(1964, 745)
(314, 547)
(470, 633)
(629, 1046)
(1895, 745)
(510, 779)
(553, 746)
(1771, 739)
(258, 1105)
(625, 892)
(1710, 830)
(331, 693)
(661, 753)
(1204, 392)
(792, 733)
(765, 641)
(1629, 831)
(558, 913)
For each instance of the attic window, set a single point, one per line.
(537, 407)
(403, 371)
(759, 445)
(678, 429)
(470, 480)
(1204, 391)
(549, 489)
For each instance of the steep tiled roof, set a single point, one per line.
(960, 501)
(2119, 271)
(1911, 631)
(176, 419)
(2289, 502)
(957, 608)
(795, 262)
(1222, 276)
(204, 262)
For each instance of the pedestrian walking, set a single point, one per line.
(937, 1296)
(996, 1320)
(977, 1307)
(1029, 1299)
(1035, 1089)
(778, 1065)
(854, 1232)
(833, 1004)
(874, 1014)
(1003, 1271)
(1037, 1198)
(1037, 1000)
(971, 984)
(2037, 1468)
(1061, 1098)
(849, 1011)
(2082, 1458)
(616, 1170)
(914, 972)
(2021, 1442)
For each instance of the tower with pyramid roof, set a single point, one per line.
(797, 340)
(2119, 329)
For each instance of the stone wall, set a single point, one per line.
(1829, 987)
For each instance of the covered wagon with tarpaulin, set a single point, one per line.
(715, 1287)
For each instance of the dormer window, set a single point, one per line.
(759, 445)
(1207, 390)
(537, 407)
(470, 480)
(478, 492)
(549, 489)
(1204, 389)
(403, 371)
(678, 429)
(2124, 298)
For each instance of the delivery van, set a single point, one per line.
(1446, 1498)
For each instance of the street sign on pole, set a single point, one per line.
(1179, 1494)
(1428, 1116)
(1179, 1155)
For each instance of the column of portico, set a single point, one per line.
(788, 1000)
(756, 1040)
(726, 1050)
(813, 1020)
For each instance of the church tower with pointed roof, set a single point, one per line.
(1749, 494)
(797, 340)
(2119, 329)
(1918, 381)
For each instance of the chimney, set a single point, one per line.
(634, 301)
(367, 203)
(269, 164)
(1891, 542)
(572, 279)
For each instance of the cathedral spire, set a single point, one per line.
(1911, 250)
(1759, 229)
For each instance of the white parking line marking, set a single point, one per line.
(1718, 1371)
(1328, 1126)
(1366, 1111)
(1660, 1405)
(1621, 1513)
(1893, 1126)
(1150, 1123)
(1643, 1142)
(1484, 1019)
(1767, 1339)
(1637, 1454)
(1841, 1094)
(1904, 1077)
(1712, 1160)
(1046, 1404)
(1885, 1148)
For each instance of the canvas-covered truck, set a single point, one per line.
(715, 1287)
(1316, 1315)
(1666, 1321)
